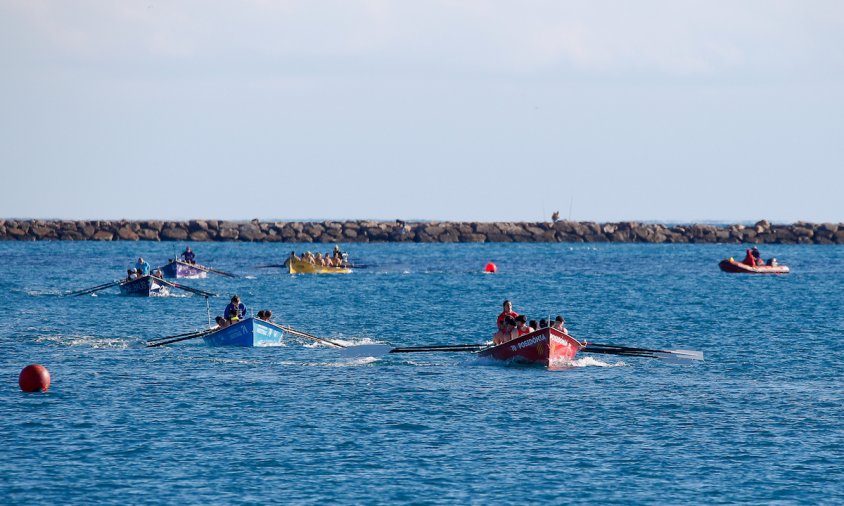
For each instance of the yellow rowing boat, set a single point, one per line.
(296, 266)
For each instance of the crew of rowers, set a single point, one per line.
(142, 269)
(754, 259)
(512, 325)
(236, 311)
(335, 259)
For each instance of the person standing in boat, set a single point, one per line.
(188, 256)
(142, 267)
(235, 310)
(508, 311)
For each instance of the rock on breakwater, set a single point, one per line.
(762, 232)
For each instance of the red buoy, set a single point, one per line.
(34, 378)
(490, 267)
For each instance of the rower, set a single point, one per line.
(506, 332)
(508, 311)
(188, 256)
(142, 267)
(560, 324)
(235, 310)
(221, 322)
(521, 325)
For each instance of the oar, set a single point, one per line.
(185, 288)
(299, 333)
(679, 356)
(444, 348)
(95, 288)
(151, 344)
(208, 269)
(378, 350)
(174, 336)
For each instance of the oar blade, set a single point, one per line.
(670, 356)
(680, 356)
(155, 343)
(86, 291)
(185, 288)
(366, 350)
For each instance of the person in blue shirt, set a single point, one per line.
(142, 267)
(188, 256)
(235, 310)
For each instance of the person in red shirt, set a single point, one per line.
(749, 259)
(508, 311)
(521, 325)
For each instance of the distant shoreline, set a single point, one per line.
(761, 232)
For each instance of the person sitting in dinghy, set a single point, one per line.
(188, 256)
(221, 322)
(142, 267)
(235, 310)
(752, 258)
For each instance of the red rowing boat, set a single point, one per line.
(730, 265)
(547, 347)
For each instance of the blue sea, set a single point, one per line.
(761, 420)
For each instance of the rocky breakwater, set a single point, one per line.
(379, 231)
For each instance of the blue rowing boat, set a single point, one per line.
(179, 269)
(250, 332)
(145, 286)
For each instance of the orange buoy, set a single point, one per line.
(490, 267)
(34, 378)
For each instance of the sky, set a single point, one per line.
(677, 111)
